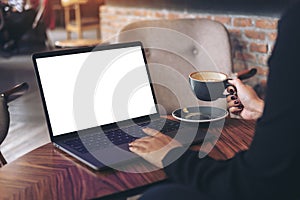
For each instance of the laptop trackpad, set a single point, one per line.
(114, 155)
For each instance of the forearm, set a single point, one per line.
(204, 174)
(233, 179)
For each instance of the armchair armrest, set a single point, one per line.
(15, 92)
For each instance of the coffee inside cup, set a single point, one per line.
(208, 76)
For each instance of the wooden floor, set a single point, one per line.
(27, 129)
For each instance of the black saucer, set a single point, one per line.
(200, 114)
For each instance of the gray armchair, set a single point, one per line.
(174, 49)
(5, 98)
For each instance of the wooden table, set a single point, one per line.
(48, 173)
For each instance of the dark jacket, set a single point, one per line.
(270, 169)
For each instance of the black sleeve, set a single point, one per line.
(270, 169)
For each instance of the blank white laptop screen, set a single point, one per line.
(113, 73)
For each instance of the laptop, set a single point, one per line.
(97, 99)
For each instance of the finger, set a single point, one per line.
(231, 97)
(232, 81)
(231, 104)
(234, 103)
(237, 83)
(141, 139)
(137, 150)
(231, 90)
(237, 113)
(151, 132)
(235, 109)
(140, 146)
(139, 142)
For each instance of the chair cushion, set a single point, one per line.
(176, 48)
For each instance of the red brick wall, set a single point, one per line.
(252, 37)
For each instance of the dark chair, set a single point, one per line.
(85, 17)
(5, 98)
(36, 38)
(32, 40)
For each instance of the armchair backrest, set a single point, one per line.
(4, 119)
(176, 48)
(6, 97)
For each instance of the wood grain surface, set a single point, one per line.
(48, 173)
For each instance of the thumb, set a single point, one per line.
(150, 131)
(236, 82)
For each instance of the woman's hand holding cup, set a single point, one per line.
(243, 100)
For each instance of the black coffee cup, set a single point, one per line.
(208, 85)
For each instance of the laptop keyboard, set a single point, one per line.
(119, 136)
